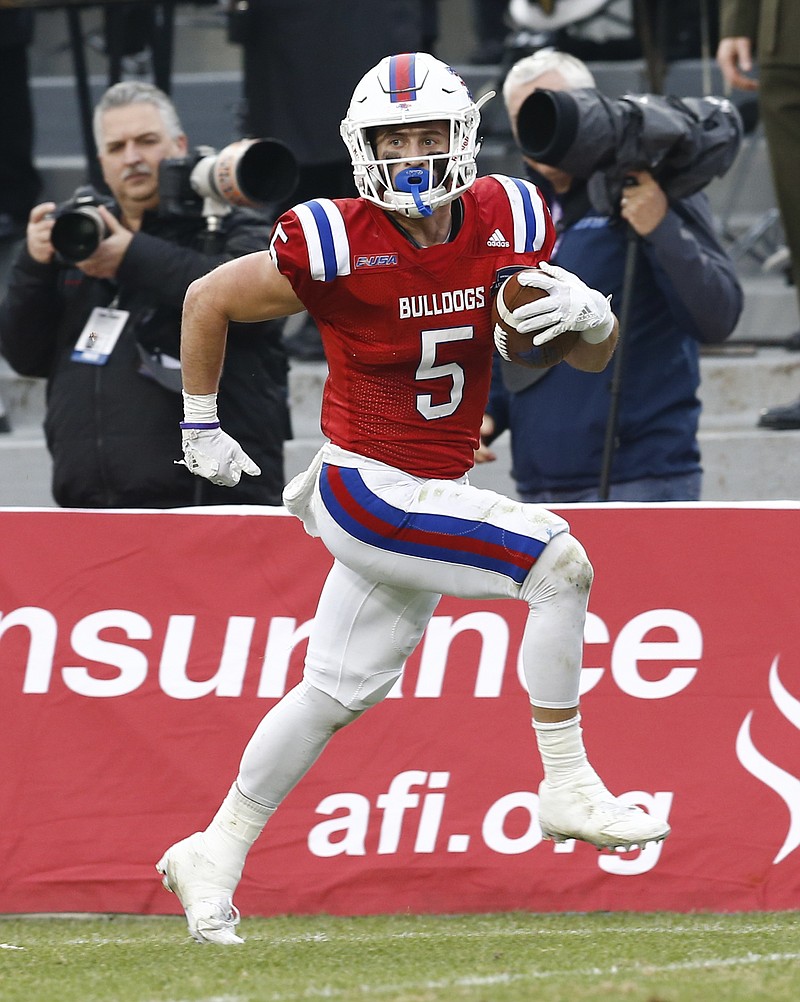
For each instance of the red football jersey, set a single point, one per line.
(407, 330)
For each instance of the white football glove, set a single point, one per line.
(208, 451)
(570, 305)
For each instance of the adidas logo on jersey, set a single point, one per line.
(497, 240)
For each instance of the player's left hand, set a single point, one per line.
(570, 305)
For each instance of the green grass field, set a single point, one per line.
(480, 958)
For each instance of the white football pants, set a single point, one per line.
(399, 543)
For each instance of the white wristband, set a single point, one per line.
(200, 408)
(602, 332)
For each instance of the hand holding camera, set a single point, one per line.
(643, 204)
(65, 230)
(40, 226)
(248, 172)
(104, 261)
(78, 226)
(81, 231)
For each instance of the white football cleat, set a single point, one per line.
(584, 809)
(204, 889)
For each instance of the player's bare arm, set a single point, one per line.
(593, 357)
(247, 289)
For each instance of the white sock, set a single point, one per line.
(234, 828)
(561, 748)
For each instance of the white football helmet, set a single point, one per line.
(404, 90)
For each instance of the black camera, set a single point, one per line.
(79, 227)
(683, 142)
(248, 172)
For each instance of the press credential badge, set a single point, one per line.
(101, 333)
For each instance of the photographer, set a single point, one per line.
(105, 330)
(685, 294)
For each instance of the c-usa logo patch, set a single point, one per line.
(375, 260)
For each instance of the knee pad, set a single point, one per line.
(563, 569)
(355, 691)
(557, 593)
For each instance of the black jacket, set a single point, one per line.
(113, 430)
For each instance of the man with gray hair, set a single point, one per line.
(102, 326)
(685, 294)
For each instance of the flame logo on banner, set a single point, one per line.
(783, 783)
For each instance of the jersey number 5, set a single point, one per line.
(429, 369)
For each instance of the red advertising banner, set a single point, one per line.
(138, 651)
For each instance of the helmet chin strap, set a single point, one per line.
(412, 180)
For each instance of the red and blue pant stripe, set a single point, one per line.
(430, 536)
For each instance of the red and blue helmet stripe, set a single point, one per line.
(403, 77)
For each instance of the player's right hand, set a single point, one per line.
(213, 454)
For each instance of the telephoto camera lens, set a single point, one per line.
(683, 142)
(79, 227)
(77, 233)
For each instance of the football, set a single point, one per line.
(519, 348)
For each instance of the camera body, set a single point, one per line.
(248, 172)
(79, 228)
(207, 183)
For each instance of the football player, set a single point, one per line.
(399, 282)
